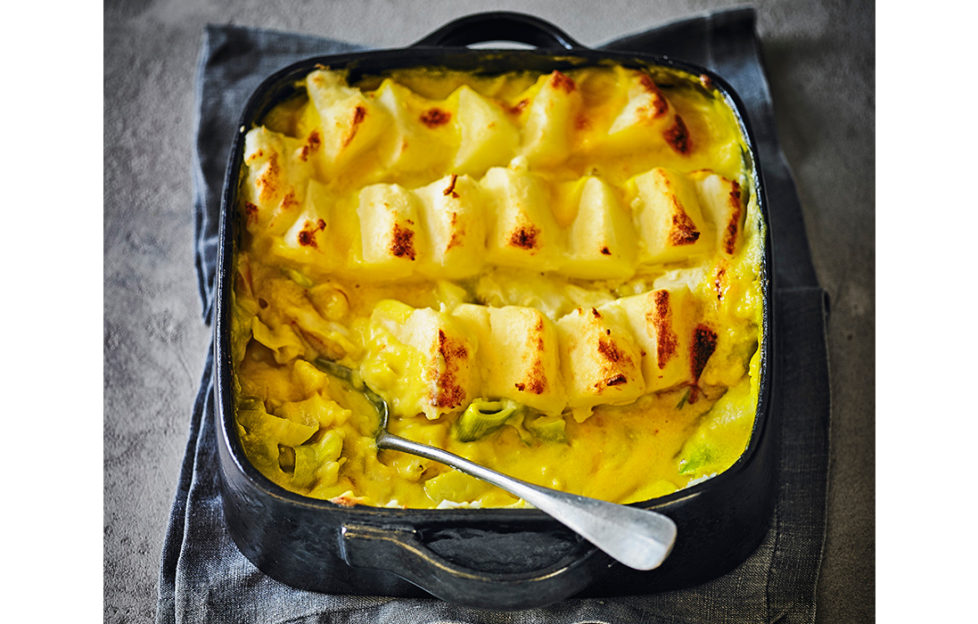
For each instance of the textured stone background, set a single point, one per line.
(820, 60)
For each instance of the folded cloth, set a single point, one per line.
(205, 579)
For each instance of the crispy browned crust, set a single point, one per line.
(561, 81)
(307, 236)
(343, 500)
(289, 201)
(617, 380)
(518, 108)
(667, 342)
(683, 230)
(659, 104)
(720, 282)
(457, 233)
(536, 381)
(359, 113)
(703, 346)
(525, 237)
(449, 393)
(314, 140)
(733, 224)
(612, 359)
(402, 242)
(450, 189)
(267, 181)
(310, 146)
(251, 213)
(610, 351)
(677, 136)
(434, 117)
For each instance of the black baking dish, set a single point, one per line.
(498, 558)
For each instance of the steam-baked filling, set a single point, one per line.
(554, 275)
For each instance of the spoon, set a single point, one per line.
(638, 538)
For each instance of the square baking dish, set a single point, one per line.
(497, 558)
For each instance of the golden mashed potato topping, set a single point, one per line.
(556, 276)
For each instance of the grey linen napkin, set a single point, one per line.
(205, 579)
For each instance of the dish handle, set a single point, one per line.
(499, 26)
(401, 550)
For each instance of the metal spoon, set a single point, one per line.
(638, 538)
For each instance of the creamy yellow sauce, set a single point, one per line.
(575, 254)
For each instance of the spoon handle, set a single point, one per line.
(638, 538)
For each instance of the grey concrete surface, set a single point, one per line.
(820, 59)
